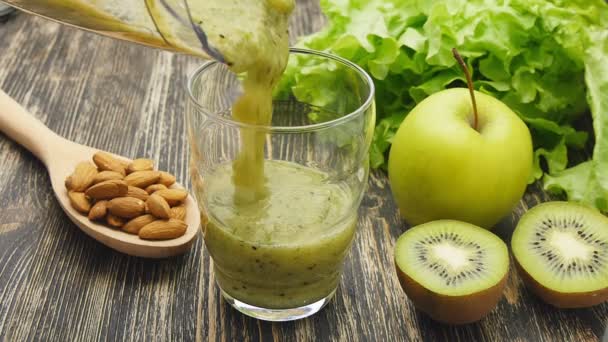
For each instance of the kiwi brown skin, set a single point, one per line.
(559, 299)
(454, 310)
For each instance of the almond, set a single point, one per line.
(125, 163)
(135, 224)
(178, 212)
(142, 179)
(107, 175)
(106, 162)
(79, 201)
(166, 178)
(126, 207)
(173, 196)
(98, 211)
(163, 230)
(108, 189)
(115, 221)
(137, 193)
(155, 187)
(158, 207)
(140, 164)
(82, 178)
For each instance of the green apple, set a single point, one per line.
(448, 162)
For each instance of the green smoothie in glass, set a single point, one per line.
(280, 197)
(285, 250)
(279, 192)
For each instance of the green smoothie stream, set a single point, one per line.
(277, 232)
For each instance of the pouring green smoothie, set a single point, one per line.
(277, 231)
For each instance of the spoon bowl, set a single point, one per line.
(60, 157)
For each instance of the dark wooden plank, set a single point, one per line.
(58, 284)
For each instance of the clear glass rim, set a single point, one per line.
(287, 129)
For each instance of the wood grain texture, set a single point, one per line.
(58, 284)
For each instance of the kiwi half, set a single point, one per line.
(451, 270)
(561, 253)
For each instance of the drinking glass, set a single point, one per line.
(279, 256)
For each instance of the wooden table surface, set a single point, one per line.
(58, 284)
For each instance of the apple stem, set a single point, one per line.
(467, 74)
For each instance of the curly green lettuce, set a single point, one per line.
(546, 59)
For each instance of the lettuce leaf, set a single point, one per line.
(546, 59)
(580, 184)
(596, 78)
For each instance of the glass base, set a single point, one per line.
(278, 315)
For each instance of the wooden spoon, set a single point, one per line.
(60, 156)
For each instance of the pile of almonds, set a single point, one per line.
(130, 196)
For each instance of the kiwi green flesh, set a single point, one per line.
(563, 247)
(452, 258)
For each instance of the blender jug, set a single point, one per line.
(165, 24)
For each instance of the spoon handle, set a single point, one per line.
(26, 130)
